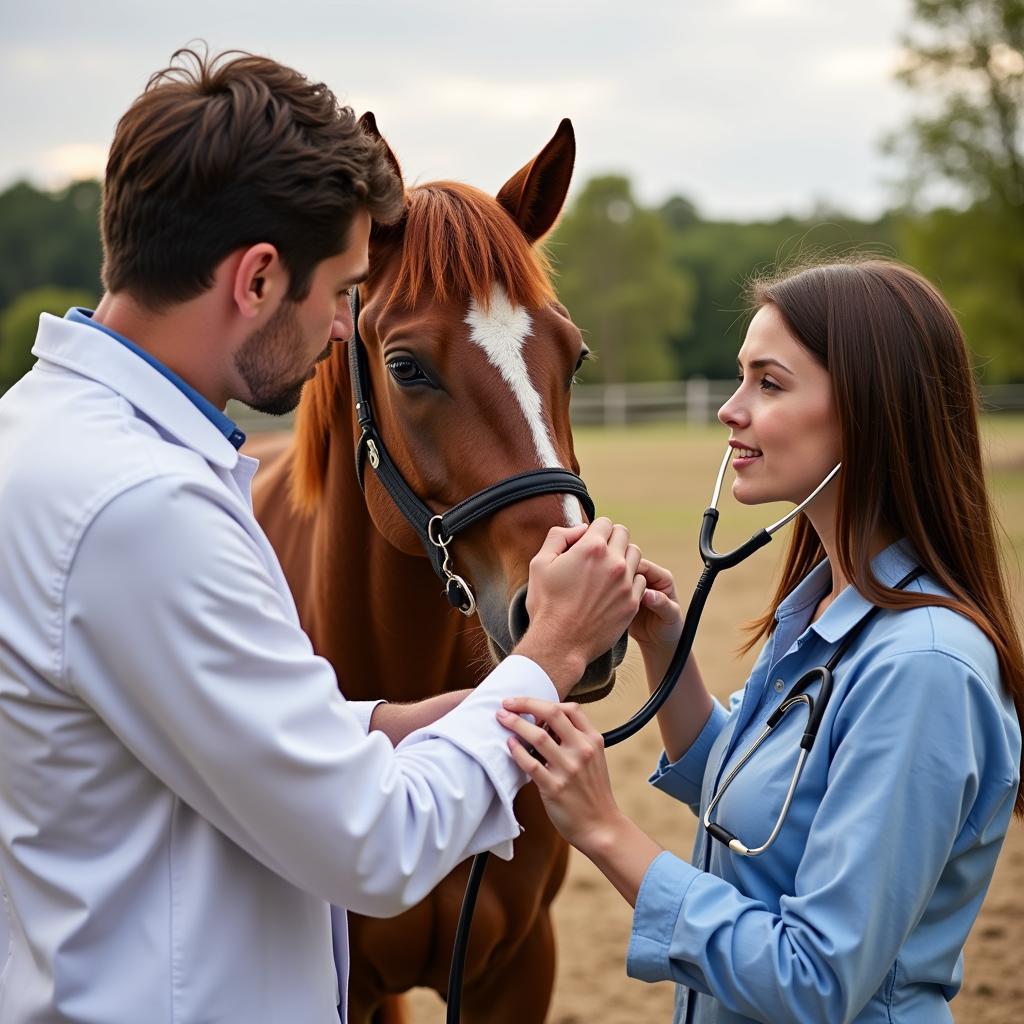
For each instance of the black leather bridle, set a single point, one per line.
(436, 531)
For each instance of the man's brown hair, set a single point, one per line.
(220, 153)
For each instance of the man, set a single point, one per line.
(183, 790)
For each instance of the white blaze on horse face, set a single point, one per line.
(501, 332)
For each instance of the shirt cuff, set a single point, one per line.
(683, 778)
(473, 728)
(363, 710)
(658, 906)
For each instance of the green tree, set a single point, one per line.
(49, 239)
(975, 261)
(616, 277)
(721, 256)
(19, 323)
(967, 58)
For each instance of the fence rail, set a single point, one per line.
(694, 401)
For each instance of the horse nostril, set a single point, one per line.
(518, 616)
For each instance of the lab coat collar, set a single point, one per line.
(94, 354)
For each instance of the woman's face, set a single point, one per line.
(782, 421)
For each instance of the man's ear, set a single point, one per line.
(260, 280)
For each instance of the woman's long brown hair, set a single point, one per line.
(908, 411)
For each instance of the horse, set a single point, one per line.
(470, 358)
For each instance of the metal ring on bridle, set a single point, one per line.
(433, 526)
(457, 590)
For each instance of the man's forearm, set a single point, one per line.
(396, 721)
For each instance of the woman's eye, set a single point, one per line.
(765, 383)
(406, 371)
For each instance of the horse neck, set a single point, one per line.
(378, 614)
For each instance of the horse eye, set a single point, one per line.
(584, 356)
(406, 371)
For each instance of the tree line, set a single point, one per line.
(658, 291)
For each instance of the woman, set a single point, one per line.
(859, 909)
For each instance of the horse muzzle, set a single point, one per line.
(505, 628)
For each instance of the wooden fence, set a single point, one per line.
(695, 401)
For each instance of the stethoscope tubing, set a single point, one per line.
(714, 563)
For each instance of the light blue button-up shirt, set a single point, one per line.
(860, 909)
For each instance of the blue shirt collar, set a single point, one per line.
(223, 423)
(889, 567)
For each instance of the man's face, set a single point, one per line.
(276, 360)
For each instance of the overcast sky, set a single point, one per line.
(749, 108)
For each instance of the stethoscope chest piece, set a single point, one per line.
(797, 696)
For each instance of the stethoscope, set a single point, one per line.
(714, 563)
(796, 697)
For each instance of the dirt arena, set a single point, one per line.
(658, 480)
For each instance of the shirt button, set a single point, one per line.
(779, 686)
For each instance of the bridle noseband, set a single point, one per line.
(436, 531)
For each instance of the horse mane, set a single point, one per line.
(460, 241)
(455, 241)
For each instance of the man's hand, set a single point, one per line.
(583, 593)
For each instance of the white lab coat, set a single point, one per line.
(183, 791)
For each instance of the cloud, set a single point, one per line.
(72, 161)
(867, 65)
(513, 100)
(747, 106)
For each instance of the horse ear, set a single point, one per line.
(382, 232)
(535, 193)
(369, 125)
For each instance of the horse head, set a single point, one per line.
(470, 360)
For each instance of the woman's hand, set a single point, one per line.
(576, 790)
(573, 775)
(659, 621)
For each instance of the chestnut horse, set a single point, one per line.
(470, 360)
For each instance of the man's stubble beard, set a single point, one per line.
(263, 360)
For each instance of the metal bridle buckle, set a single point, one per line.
(372, 454)
(457, 590)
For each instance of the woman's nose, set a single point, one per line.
(732, 414)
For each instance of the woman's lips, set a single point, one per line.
(744, 456)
